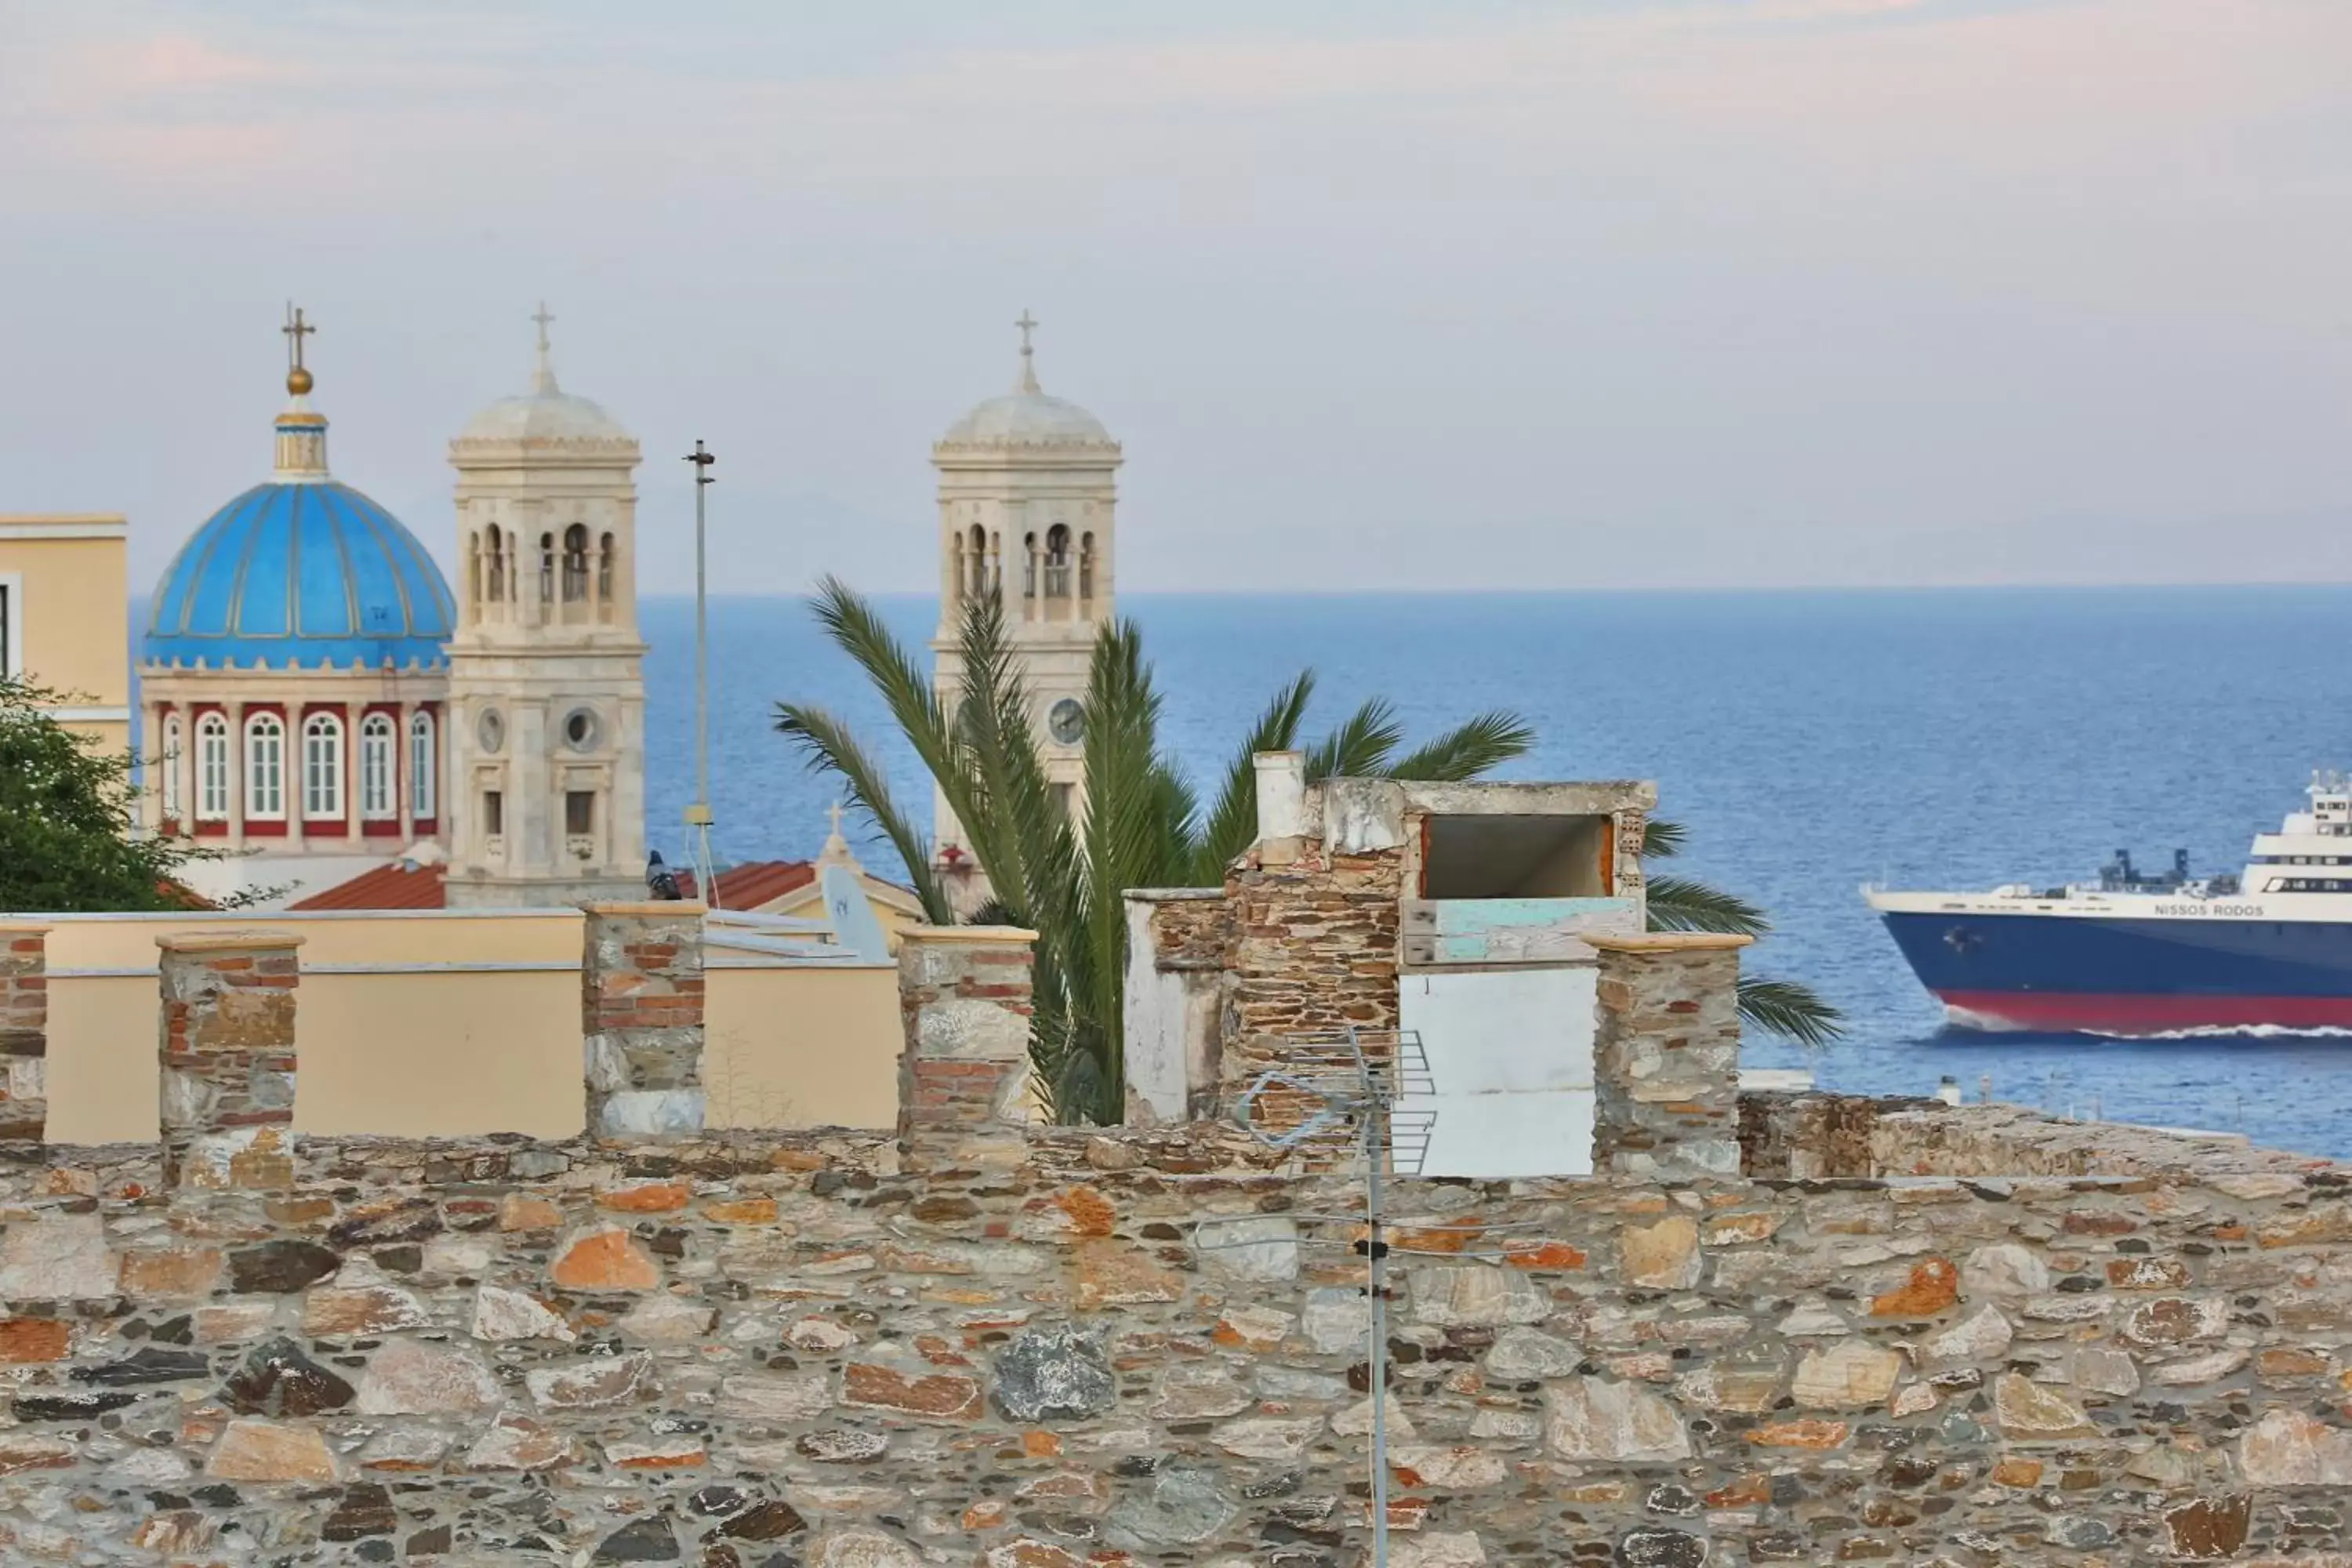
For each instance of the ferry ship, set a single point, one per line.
(2141, 954)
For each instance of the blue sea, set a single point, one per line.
(1810, 741)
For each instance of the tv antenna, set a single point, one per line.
(1361, 1098)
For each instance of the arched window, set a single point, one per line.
(171, 802)
(498, 564)
(420, 766)
(212, 768)
(547, 569)
(978, 565)
(604, 570)
(377, 796)
(265, 768)
(322, 766)
(1057, 561)
(1086, 564)
(575, 565)
(474, 571)
(1028, 565)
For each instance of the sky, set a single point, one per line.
(1620, 293)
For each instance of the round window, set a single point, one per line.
(1066, 722)
(580, 728)
(491, 730)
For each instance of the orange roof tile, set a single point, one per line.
(394, 886)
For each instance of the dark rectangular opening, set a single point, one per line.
(579, 810)
(493, 812)
(1517, 858)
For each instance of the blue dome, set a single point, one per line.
(301, 575)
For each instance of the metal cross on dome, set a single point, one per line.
(1027, 323)
(296, 329)
(542, 316)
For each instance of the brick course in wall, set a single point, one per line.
(641, 1018)
(226, 1058)
(24, 1032)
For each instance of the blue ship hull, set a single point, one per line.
(2125, 975)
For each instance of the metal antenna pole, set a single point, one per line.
(697, 815)
(1375, 1155)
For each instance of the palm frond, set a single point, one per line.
(1661, 840)
(1793, 1011)
(1361, 747)
(1478, 747)
(1231, 825)
(1678, 903)
(829, 747)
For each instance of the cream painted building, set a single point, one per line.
(547, 703)
(64, 618)
(1027, 494)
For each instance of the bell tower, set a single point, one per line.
(1027, 496)
(547, 701)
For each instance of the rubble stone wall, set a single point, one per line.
(1314, 941)
(1140, 1349)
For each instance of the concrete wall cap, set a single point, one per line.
(968, 933)
(1666, 942)
(229, 940)
(678, 907)
(1171, 895)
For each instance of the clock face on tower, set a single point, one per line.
(1067, 721)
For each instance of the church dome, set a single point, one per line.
(301, 574)
(546, 416)
(1027, 415)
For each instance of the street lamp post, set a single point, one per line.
(697, 815)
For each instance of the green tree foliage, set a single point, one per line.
(1144, 827)
(66, 808)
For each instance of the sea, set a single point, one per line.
(1810, 741)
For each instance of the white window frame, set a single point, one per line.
(12, 624)
(421, 774)
(174, 741)
(212, 767)
(379, 780)
(265, 774)
(322, 767)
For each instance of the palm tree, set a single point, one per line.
(1143, 825)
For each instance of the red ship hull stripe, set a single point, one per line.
(2048, 1010)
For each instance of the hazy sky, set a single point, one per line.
(1377, 294)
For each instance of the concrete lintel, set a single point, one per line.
(1579, 797)
(678, 907)
(975, 934)
(1667, 941)
(1162, 895)
(229, 941)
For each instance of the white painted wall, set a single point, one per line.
(1510, 1053)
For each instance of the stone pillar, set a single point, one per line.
(24, 1031)
(236, 762)
(963, 1082)
(641, 1018)
(228, 1050)
(1665, 1057)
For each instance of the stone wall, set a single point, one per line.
(1137, 1349)
(1314, 934)
(24, 1031)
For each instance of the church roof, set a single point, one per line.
(1027, 415)
(300, 573)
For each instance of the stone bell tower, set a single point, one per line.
(547, 699)
(1027, 494)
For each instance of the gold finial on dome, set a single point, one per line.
(297, 379)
